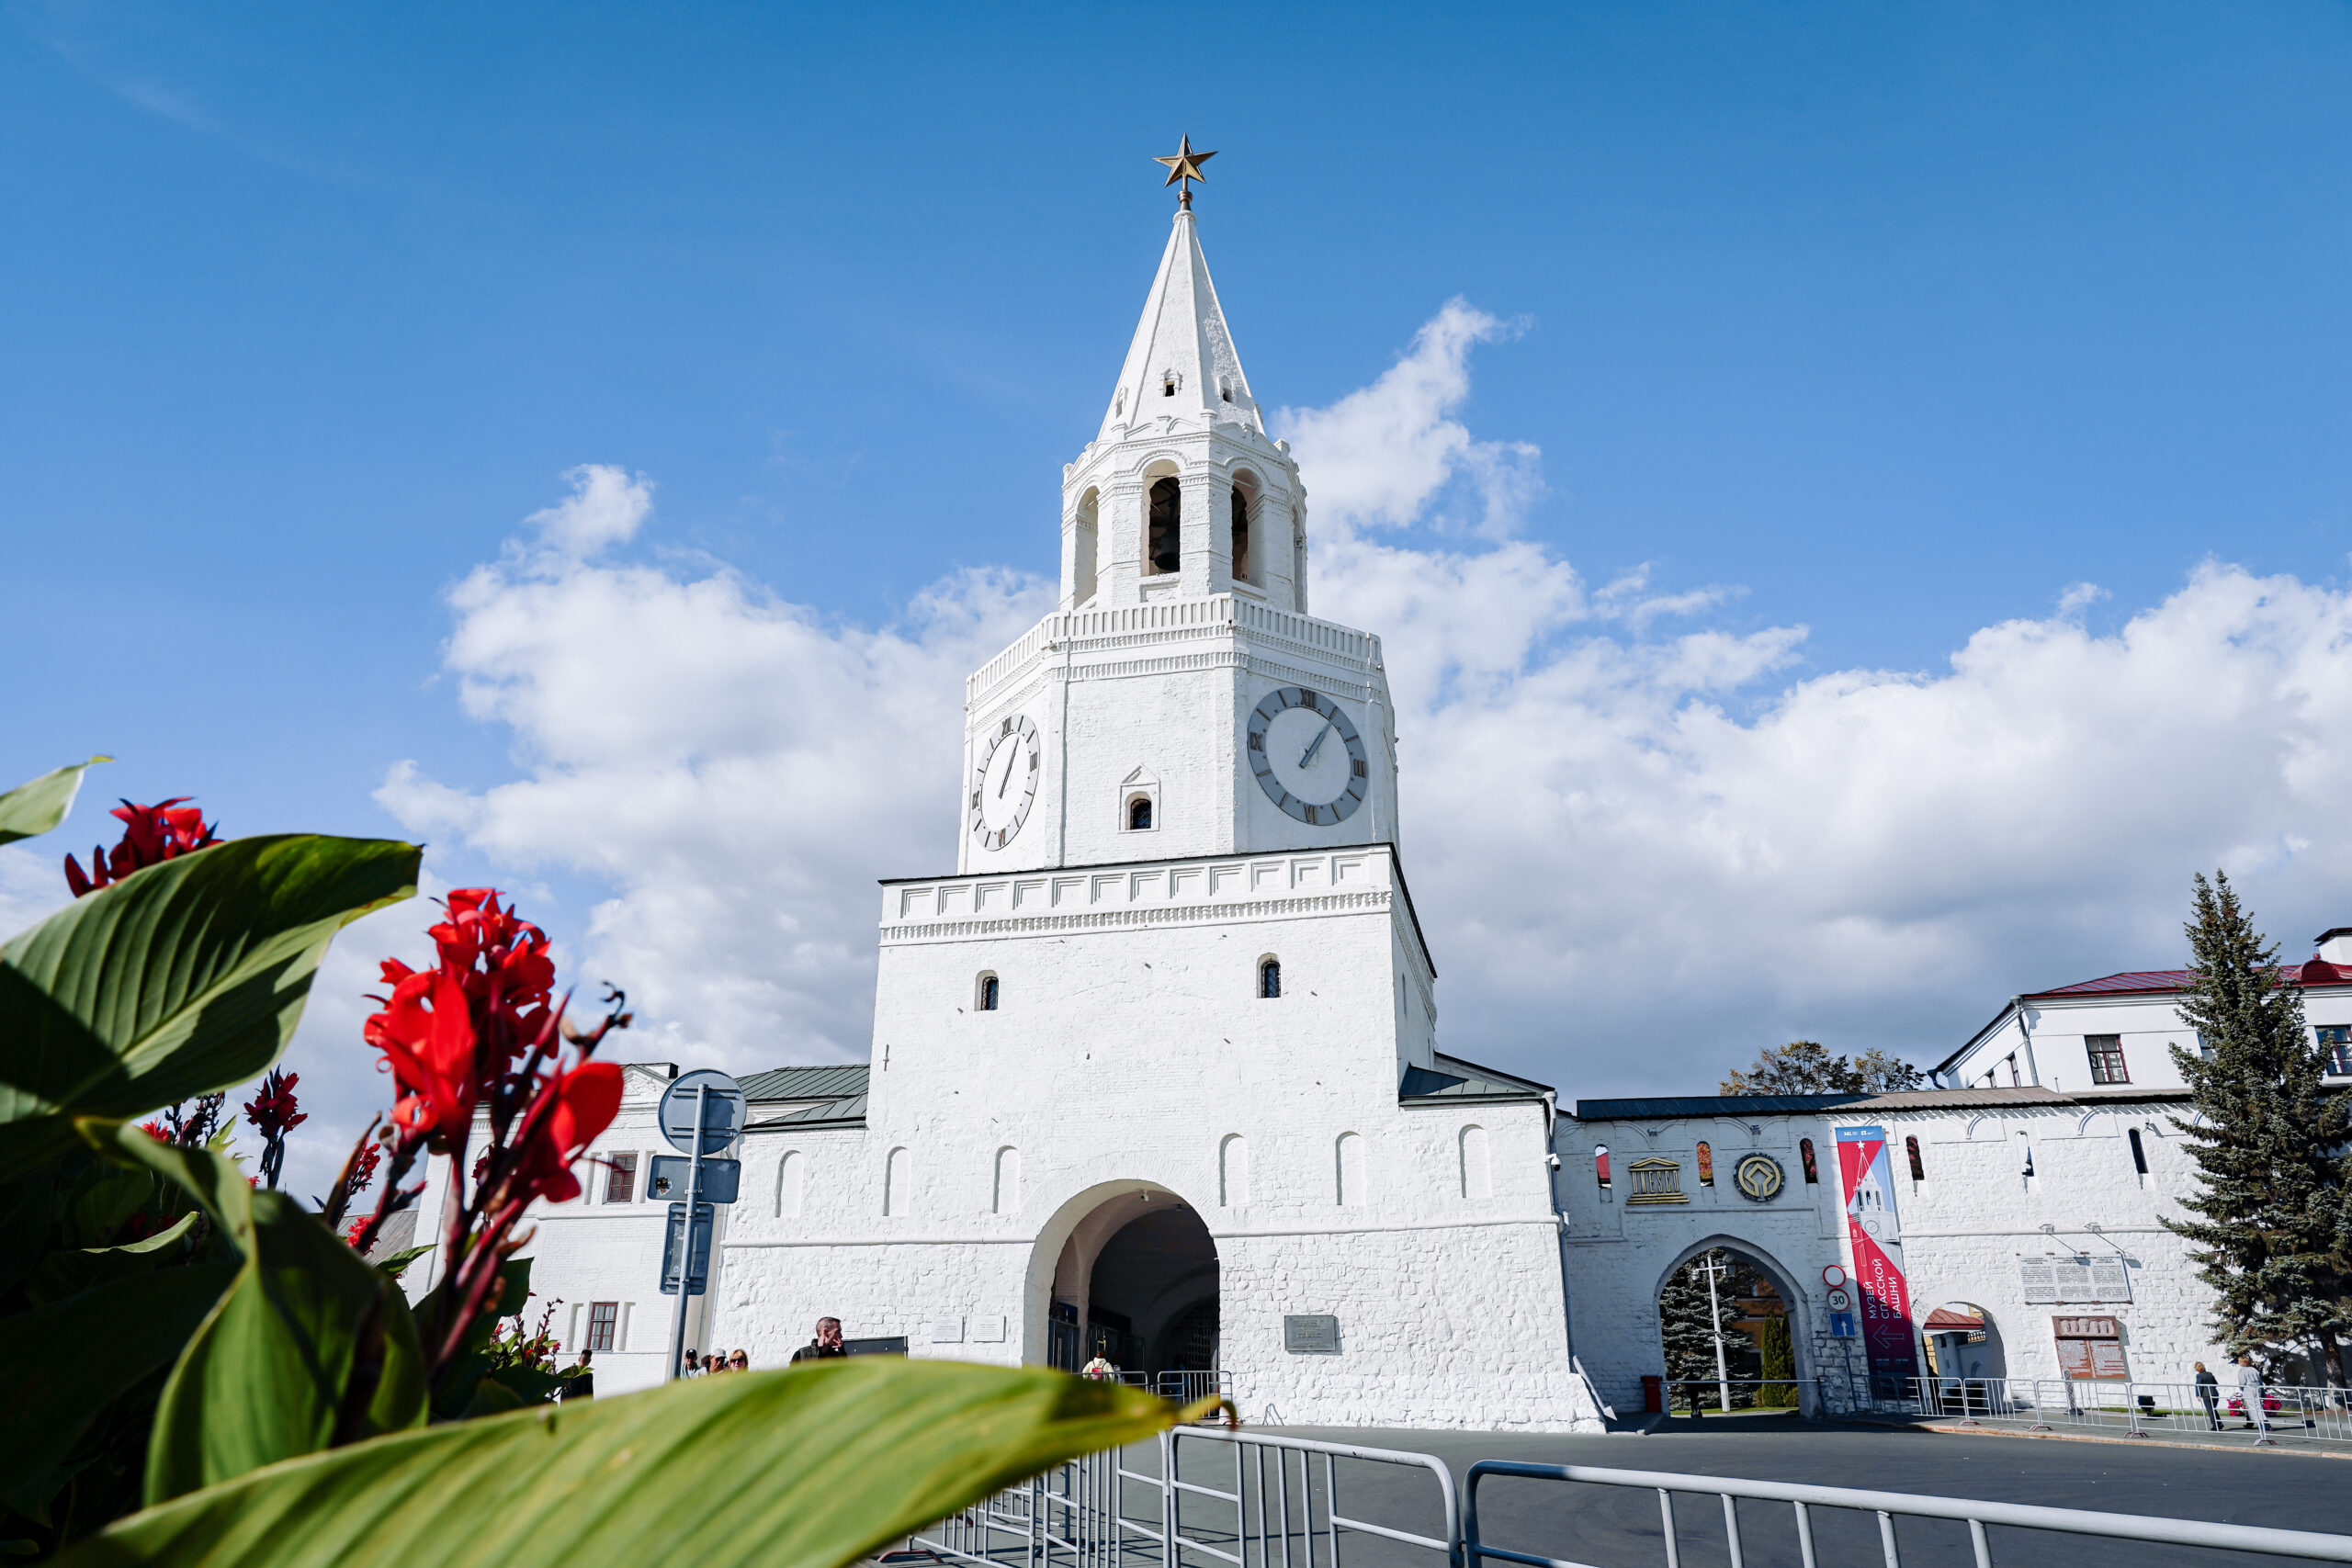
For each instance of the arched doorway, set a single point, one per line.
(1963, 1343)
(1724, 1290)
(1134, 1277)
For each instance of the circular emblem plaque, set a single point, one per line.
(1758, 1178)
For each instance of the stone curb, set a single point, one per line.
(2087, 1438)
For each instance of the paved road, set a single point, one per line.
(1608, 1527)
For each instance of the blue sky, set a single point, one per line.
(1893, 322)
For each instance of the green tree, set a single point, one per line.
(1685, 1324)
(2268, 1212)
(1779, 1355)
(1807, 1066)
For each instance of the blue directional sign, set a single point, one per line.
(721, 1178)
(674, 1244)
(714, 1098)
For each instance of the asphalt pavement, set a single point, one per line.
(1608, 1525)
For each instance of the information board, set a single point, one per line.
(1312, 1334)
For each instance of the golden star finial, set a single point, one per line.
(1185, 166)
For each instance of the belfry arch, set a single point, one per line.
(1129, 1268)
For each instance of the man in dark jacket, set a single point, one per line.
(827, 1343)
(2208, 1394)
(581, 1384)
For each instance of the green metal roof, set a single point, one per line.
(1455, 1080)
(849, 1112)
(832, 1082)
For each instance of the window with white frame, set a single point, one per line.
(2335, 1040)
(620, 1179)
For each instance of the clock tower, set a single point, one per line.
(1181, 700)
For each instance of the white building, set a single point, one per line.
(2120, 1029)
(1155, 1068)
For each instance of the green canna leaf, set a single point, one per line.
(38, 806)
(809, 1467)
(183, 979)
(310, 1345)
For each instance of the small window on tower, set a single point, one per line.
(1706, 1165)
(1804, 1157)
(1225, 392)
(1168, 383)
(1119, 403)
(1600, 1165)
(1270, 978)
(1918, 1168)
(1139, 814)
(985, 1000)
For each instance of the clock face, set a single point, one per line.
(1005, 783)
(1307, 756)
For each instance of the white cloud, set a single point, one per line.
(1683, 846)
(604, 508)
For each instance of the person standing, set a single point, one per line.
(1100, 1370)
(2250, 1391)
(827, 1345)
(693, 1368)
(2208, 1394)
(581, 1384)
(741, 1361)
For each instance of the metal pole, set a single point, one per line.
(1715, 1329)
(687, 1241)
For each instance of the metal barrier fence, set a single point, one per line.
(1887, 1507)
(2139, 1408)
(1278, 1505)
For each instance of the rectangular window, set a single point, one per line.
(2106, 1058)
(604, 1321)
(620, 1182)
(2335, 1039)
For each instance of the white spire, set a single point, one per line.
(1182, 342)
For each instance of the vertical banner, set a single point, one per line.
(1876, 1235)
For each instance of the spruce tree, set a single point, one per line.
(1684, 1324)
(2266, 1137)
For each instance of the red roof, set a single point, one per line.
(2318, 972)
(1945, 1321)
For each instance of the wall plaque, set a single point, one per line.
(1317, 1334)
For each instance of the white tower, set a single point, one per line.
(1180, 701)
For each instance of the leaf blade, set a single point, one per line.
(811, 1467)
(38, 806)
(184, 978)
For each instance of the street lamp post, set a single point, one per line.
(1716, 1331)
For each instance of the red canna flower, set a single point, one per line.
(156, 1130)
(430, 1049)
(151, 835)
(272, 1111)
(585, 1101)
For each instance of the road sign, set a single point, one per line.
(722, 1098)
(1839, 1301)
(1841, 1325)
(673, 1244)
(721, 1178)
(1833, 1276)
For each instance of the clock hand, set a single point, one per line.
(1314, 746)
(1007, 779)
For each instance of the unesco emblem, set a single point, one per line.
(1758, 1178)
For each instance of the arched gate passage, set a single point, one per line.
(1127, 1269)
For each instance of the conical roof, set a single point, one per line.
(1181, 361)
